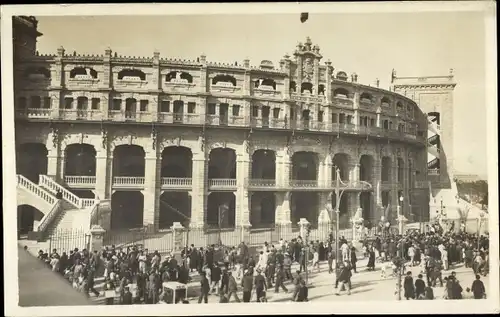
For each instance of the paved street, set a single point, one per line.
(366, 286)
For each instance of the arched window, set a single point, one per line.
(385, 101)
(293, 86)
(341, 93)
(224, 79)
(342, 76)
(176, 76)
(82, 72)
(306, 87)
(399, 106)
(365, 97)
(131, 74)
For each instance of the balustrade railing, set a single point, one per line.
(222, 182)
(36, 189)
(266, 183)
(54, 188)
(304, 183)
(176, 181)
(35, 113)
(128, 181)
(433, 171)
(74, 181)
(421, 184)
(49, 217)
(80, 114)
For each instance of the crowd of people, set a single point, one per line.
(134, 275)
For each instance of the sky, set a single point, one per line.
(370, 44)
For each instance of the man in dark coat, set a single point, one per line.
(477, 288)
(205, 288)
(247, 285)
(419, 287)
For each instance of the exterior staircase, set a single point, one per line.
(70, 212)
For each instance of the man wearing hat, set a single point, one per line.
(204, 289)
(260, 285)
(247, 285)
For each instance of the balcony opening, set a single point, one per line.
(386, 200)
(305, 119)
(266, 110)
(366, 97)
(127, 210)
(341, 93)
(178, 111)
(320, 116)
(263, 209)
(36, 102)
(366, 202)
(341, 160)
(401, 168)
(223, 114)
(386, 169)
(221, 208)
(321, 90)
(22, 103)
(179, 77)
(342, 76)
(31, 160)
(222, 163)
(293, 86)
(305, 166)
(176, 161)
(174, 207)
(68, 103)
(83, 73)
(130, 108)
(80, 160)
(132, 75)
(399, 107)
(306, 88)
(349, 119)
(264, 164)
(212, 108)
(28, 218)
(265, 83)
(224, 80)
(128, 160)
(344, 210)
(304, 205)
(366, 168)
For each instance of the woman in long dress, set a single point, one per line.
(371, 259)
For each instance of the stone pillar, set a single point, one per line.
(178, 242)
(247, 83)
(324, 220)
(156, 79)
(53, 163)
(96, 238)
(151, 190)
(199, 192)
(242, 197)
(102, 179)
(303, 225)
(328, 170)
(55, 100)
(283, 213)
(354, 177)
(283, 179)
(379, 121)
(328, 88)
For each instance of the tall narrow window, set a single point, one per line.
(96, 103)
(117, 104)
(211, 108)
(255, 111)
(335, 118)
(191, 107)
(276, 113)
(320, 116)
(36, 102)
(143, 106)
(165, 106)
(68, 103)
(236, 110)
(47, 102)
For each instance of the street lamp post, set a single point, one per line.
(401, 263)
(338, 196)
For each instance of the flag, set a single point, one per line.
(304, 16)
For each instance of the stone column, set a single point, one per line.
(377, 186)
(53, 163)
(199, 191)
(242, 197)
(282, 215)
(151, 190)
(102, 181)
(354, 174)
(96, 238)
(178, 241)
(328, 170)
(156, 79)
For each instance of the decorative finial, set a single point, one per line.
(393, 76)
(451, 71)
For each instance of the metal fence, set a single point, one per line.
(65, 240)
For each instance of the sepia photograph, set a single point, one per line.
(334, 154)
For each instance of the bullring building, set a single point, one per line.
(205, 143)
